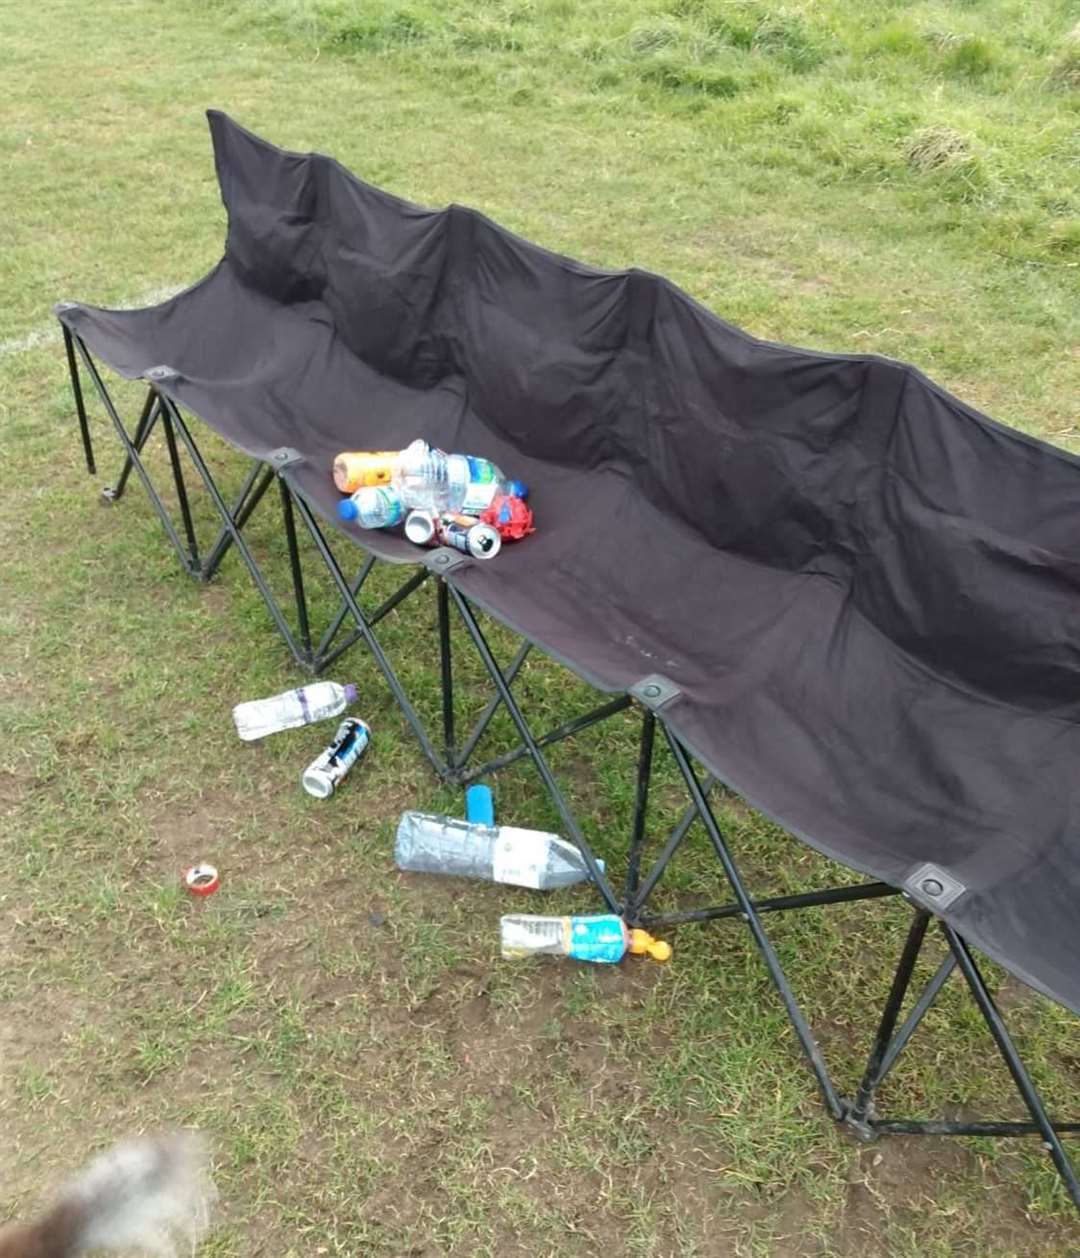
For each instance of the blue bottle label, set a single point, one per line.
(482, 485)
(480, 470)
(390, 505)
(598, 938)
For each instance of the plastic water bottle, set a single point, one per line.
(354, 468)
(523, 858)
(291, 709)
(604, 938)
(430, 480)
(373, 507)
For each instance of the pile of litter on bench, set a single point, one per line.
(444, 499)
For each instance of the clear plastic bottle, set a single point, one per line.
(373, 507)
(431, 480)
(604, 938)
(523, 858)
(291, 709)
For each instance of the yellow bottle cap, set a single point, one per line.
(643, 944)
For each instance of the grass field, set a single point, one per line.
(877, 176)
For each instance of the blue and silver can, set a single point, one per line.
(322, 776)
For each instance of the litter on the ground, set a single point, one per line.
(522, 858)
(603, 938)
(323, 776)
(201, 880)
(318, 702)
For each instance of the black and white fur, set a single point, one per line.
(148, 1196)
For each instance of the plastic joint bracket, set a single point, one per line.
(655, 691)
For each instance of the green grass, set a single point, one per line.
(881, 177)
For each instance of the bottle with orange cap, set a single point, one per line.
(604, 938)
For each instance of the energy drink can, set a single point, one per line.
(465, 534)
(322, 776)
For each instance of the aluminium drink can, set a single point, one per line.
(420, 527)
(465, 534)
(322, 776)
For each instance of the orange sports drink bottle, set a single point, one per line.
(355, 468)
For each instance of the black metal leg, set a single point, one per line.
(573, 830)
(234, 531)
(386, 606)
(469, 746)
(80, 405)
(147, 418)
(678, 833)
(566, 730)
(773, 904)
(860, 1107)
(245, 503)
(918, 1012)
(447, 668)
(133, 455)
(363, 625)
(295, 567)
(641, 807)
(181, 494)
(342, 612)
(768, 953)
(1024, 1084)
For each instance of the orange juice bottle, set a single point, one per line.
(355, 468)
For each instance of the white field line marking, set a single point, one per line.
(49, 333)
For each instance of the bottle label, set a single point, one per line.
(520, 857)
(389, 508)
(601, 938)
(482, 486)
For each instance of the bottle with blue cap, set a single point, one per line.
(373, 507)
(431, 844)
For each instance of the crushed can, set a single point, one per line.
(420, 527)
(322, 776)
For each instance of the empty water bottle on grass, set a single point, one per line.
(291, 709)
(523, 858)
(604, 938)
